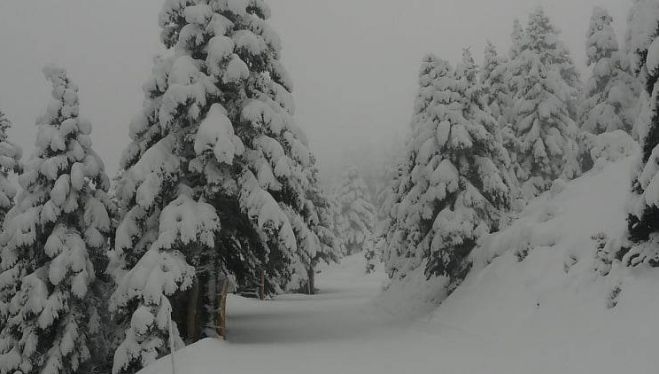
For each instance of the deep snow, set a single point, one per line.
(548, 313)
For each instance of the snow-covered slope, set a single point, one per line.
(541, 305)
(533, 304)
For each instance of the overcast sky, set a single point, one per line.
(354, 62)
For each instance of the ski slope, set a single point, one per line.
(545, 313)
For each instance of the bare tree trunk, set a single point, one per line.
(222, 310)
(192, 327)
(262, 286)
(311, 280)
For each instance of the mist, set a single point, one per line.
(354, 63)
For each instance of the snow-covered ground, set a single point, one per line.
(545, 310)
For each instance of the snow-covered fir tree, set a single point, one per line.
(215, 182)
(494, 79)
(10, 156)
(320, 219)
(543, 144)
(356, 215)
(644, 205)
(478, 111)
(517, 43)
(53, 242)
(384, 199)
(517, 38)
(387, 200)
(467, 73)
(453, 190)
(610, 94)
(391, 169)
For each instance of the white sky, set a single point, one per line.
(354, 62)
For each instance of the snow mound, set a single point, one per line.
(538, 287)
(565, 219)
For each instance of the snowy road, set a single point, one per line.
(343, 310)
(341, 330)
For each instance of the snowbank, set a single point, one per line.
(539, 298)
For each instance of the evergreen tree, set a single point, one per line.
(320, 219)
(10, 156)
(517, 38)
(453, 190)
(611, 91)
(216, 137)
(357, 214)
(385, 201)
(495, 82)
(53, 243)
(543, 146)
(386, 204)
(477, 111)
(337, 220)
(640, 30)
(644, 215)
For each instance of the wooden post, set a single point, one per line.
(222, 310)
(262, 286)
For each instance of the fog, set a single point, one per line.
(354, 62)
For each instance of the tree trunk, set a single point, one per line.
(311, 281)
(192, 326)
(262, 285)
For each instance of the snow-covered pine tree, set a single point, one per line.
(466, 75)
(216, 136)
(10, 156)
(611, 92)
(517, 38)
(494, 79)
(644, 206)
(5, 124)
(495, 90)
(517, 43)
(356, 213)
(400, 240)
(386, 173)
(52, 242)
(391, 168)
(387, 201)
(320, 219)
(543, 146)
(477, 111)
(453, 191)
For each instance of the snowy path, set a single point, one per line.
(341, 330)
(343, 310)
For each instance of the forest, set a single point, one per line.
(514, 164)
